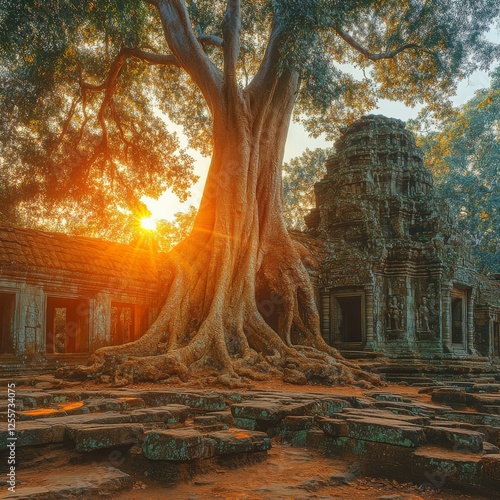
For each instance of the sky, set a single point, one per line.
(298, 140)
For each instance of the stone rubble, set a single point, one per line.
(455, 439)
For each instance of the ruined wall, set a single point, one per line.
(394, 244)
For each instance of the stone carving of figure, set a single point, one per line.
(394, 314)
(423, 315)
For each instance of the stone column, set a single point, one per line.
(30, 338)
(470, 324)
(446, 317)
(370, 337)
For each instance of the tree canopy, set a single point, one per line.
(464, 155)
(84, 85)
(299, 176)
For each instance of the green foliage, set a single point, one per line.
(464, 156)
(299, 178)
(79, 147)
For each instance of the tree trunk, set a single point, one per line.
(239, 273)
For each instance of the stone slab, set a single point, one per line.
(91, 438)
(463, 440)
(175, 445)
(235, 441)
(31, 433)
(380, 431)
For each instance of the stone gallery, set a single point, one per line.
(393, 274)
(63, 297)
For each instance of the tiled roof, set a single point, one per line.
(30, 251)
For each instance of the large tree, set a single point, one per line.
(82, 81)
(464, 156)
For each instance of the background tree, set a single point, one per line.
(299, 177)
(80, 84)
(464, 155)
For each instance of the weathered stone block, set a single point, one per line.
(490, 449)
(297, 423)
(333, 427)
(175, 445)
(380, 431)
(31, 433)
(387, 396)
(170, 414)
(259, 410)
(462, 440)
(449, 396)
(114, 404)
(224, 416)
(238, 441)
(489, 472)
(386, 415)
(246, 423)
(34, 399)
(107, 436)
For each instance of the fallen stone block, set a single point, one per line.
(333, 427)
(175, 445)
(34, 399)
(438, 467)
(462, 440)
(485, 387)
(490, 449)
(380, 431)
(169, 414)
(31, 433)
(387, 396)
(106, 436)
(234, 441)
(387, 415)
(246, 423)
(113, 404)
(489, 472)
(224, 416)
(201, 401)
(472, 418)
(449, 396)
(259, 410)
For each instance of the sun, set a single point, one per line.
(149, 223)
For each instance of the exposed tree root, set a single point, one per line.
(233, 340)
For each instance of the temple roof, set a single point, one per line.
(25, 251)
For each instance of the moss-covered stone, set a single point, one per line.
(176, 445)
(89, 439)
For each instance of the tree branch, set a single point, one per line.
(185, 46)
(267, 75)
(215, 41)
(231, 31)
(152, 58)
(374, 56)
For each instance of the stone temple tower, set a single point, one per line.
(399, 278)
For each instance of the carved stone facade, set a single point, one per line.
(398, 279)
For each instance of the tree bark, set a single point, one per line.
(238, 270)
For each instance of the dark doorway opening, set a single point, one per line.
(7, 304)
(457, 320)
(67, 328)
(350, 329)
